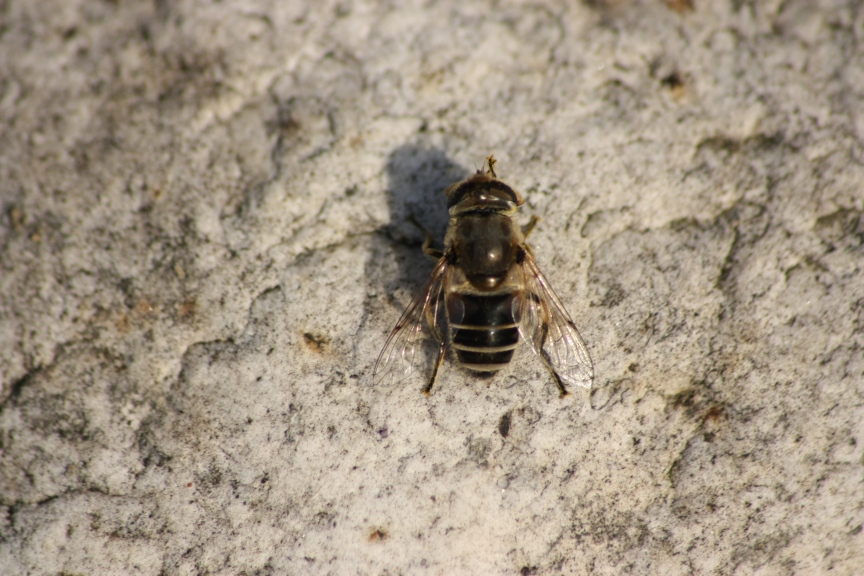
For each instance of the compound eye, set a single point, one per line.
(501, 191)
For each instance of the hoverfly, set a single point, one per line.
(483, 294)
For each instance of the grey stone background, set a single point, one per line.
(204, 243)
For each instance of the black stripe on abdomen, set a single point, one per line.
(484, 332)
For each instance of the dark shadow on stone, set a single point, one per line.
(416, 179)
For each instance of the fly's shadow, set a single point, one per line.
(416, 179)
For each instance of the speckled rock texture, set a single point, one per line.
(205, 238)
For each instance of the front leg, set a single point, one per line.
(526, 230)
(429, 251)
(433, 253)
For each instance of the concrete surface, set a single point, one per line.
(204, 241)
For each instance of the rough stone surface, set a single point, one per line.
(204, 240)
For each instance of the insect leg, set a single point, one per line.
(427, 243)
(545, 357)
(428, 388)
(428, 250)
(526, 230)
(558, 381)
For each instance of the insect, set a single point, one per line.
(484, 293)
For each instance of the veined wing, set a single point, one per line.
(414, 344)
(545, 324)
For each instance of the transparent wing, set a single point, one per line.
(545, 324)
(414, 344)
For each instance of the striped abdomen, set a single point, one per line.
(484, 333)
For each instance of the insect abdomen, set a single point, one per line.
(484, 332)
